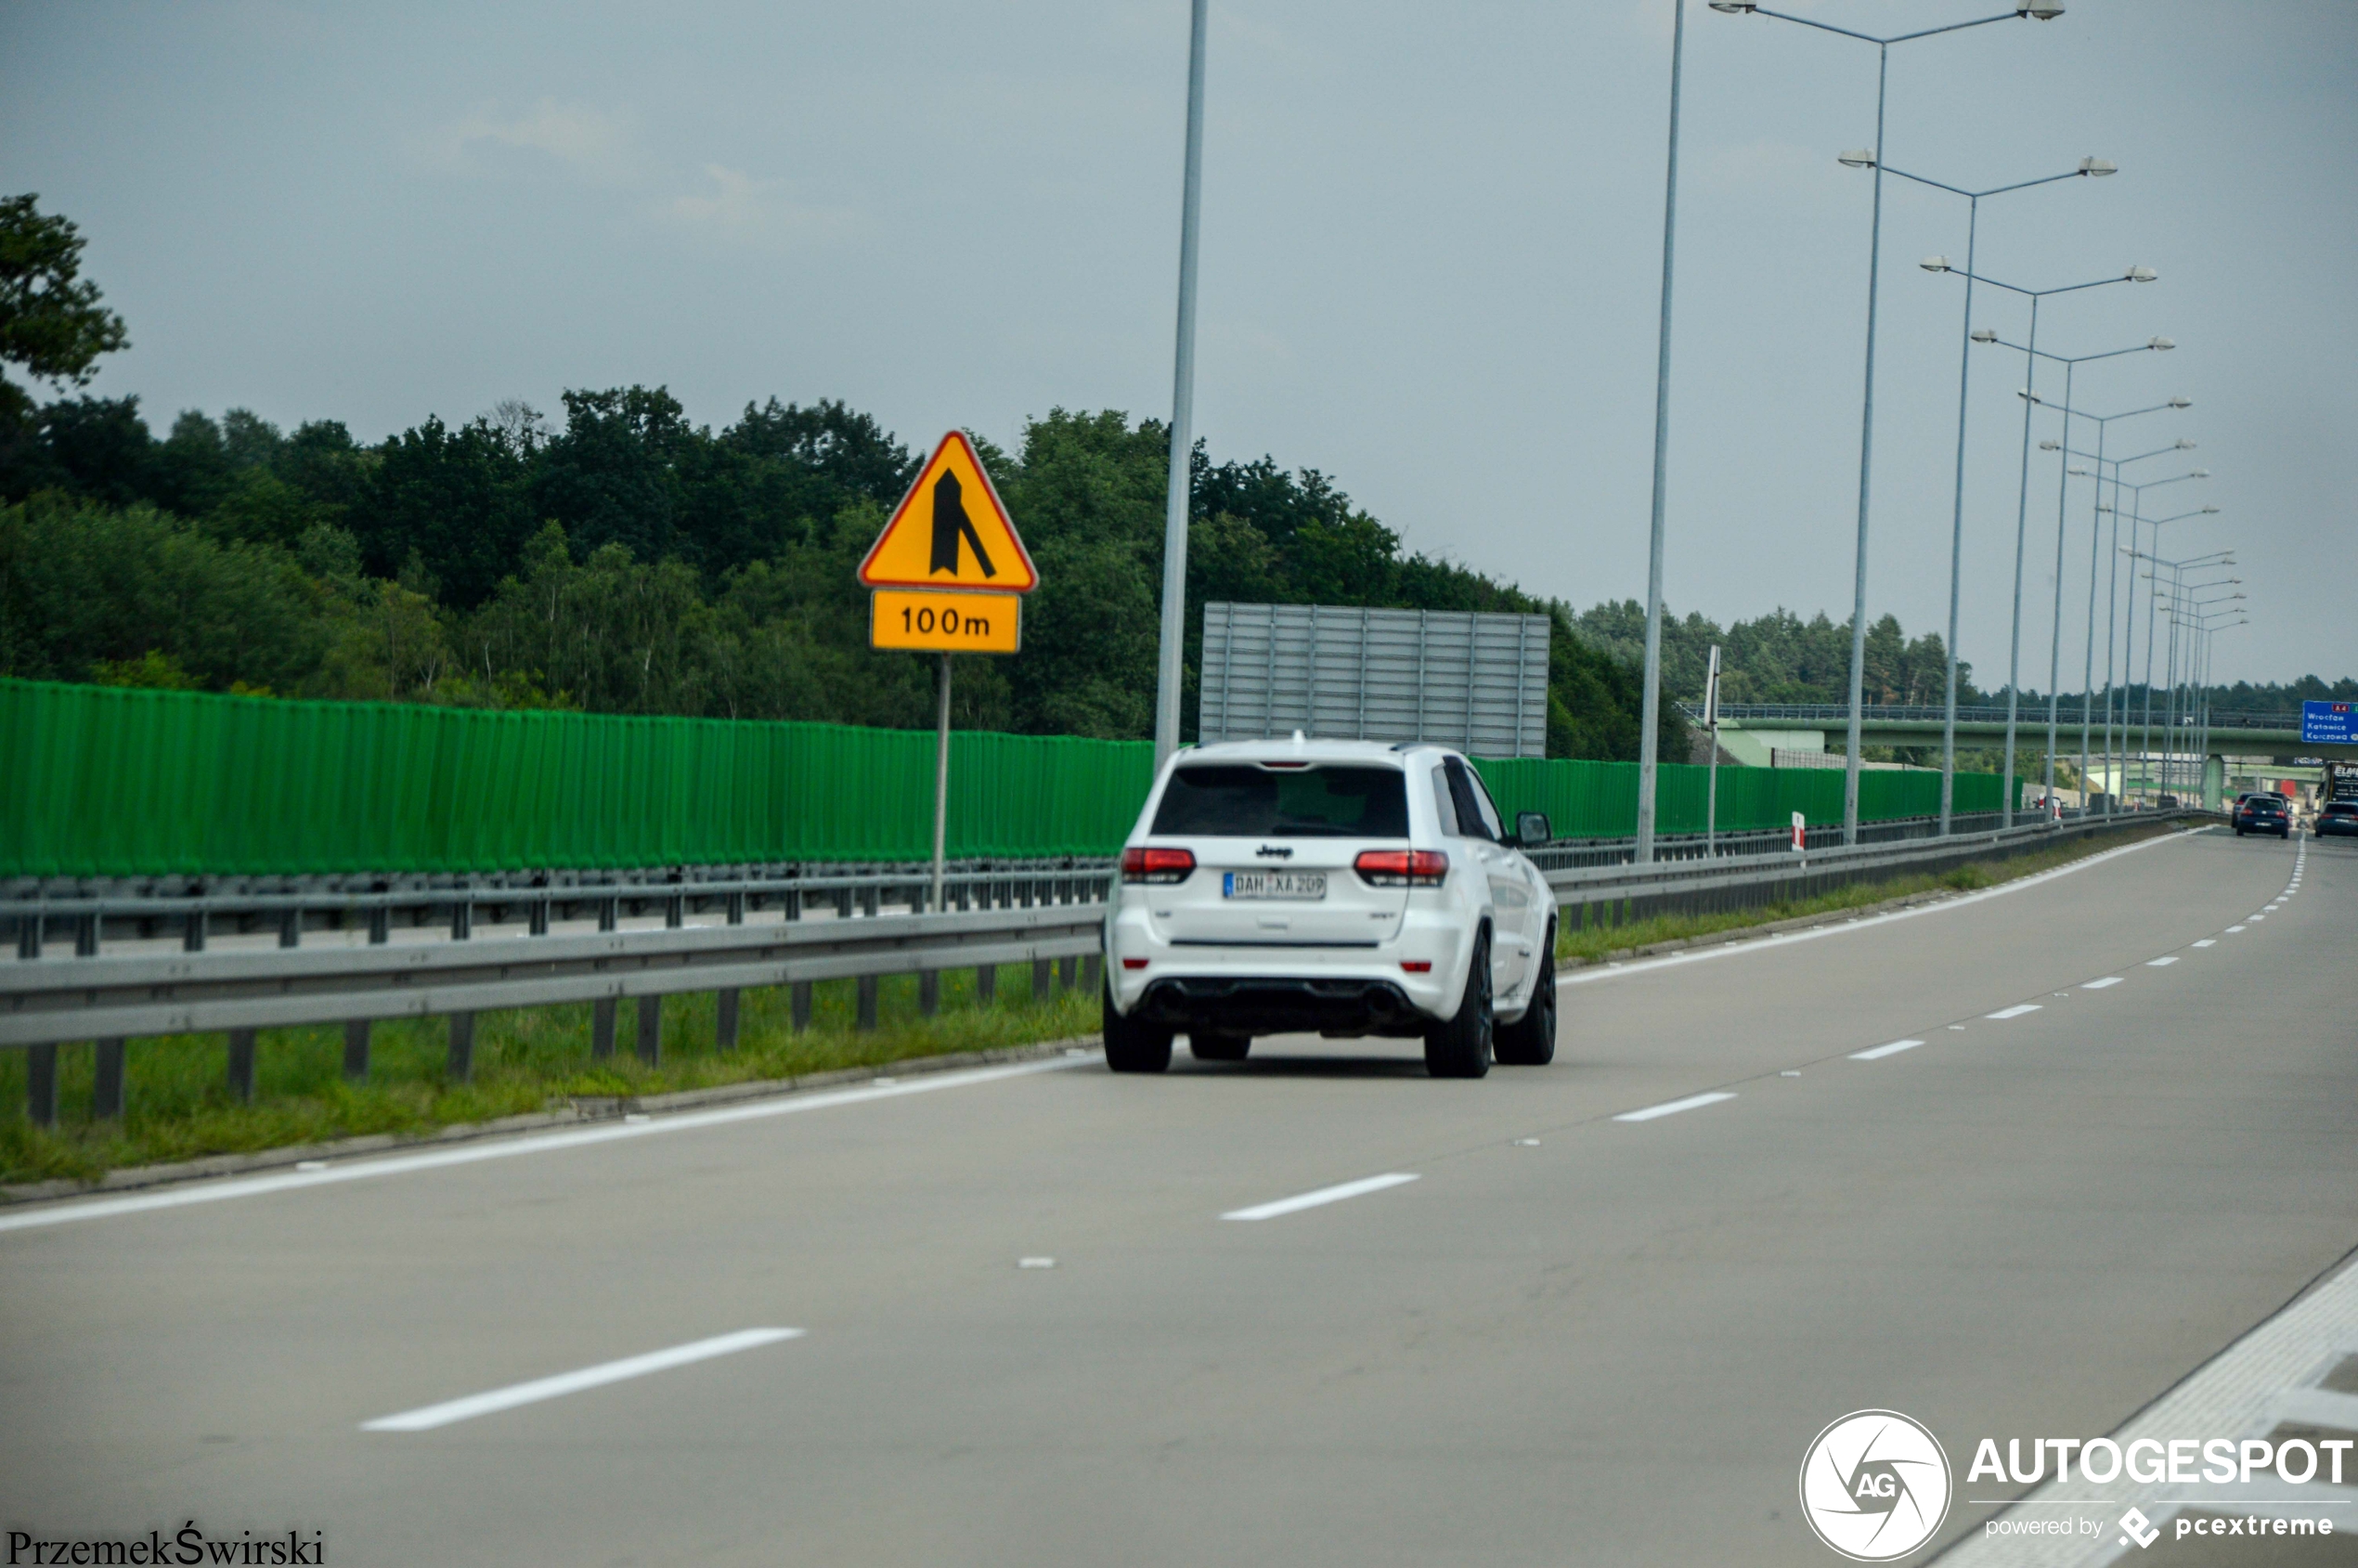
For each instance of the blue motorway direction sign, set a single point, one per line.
(2329, 721)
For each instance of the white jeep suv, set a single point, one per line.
(1343, 887)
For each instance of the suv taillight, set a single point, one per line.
(1156, 865)
(1401, 868)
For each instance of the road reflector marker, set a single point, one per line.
(1324, 1195)
(2099, 985)
(1672, 1107)
(431, 1416)
(2161, 963)
(1879, 1052)
(2017, 1010)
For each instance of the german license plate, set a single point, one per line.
(1273, 885)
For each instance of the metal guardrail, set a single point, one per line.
(144, 910)
(1043, 915)
(1617, 894)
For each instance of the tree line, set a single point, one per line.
(621, 558)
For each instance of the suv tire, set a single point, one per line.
(1209, 1047)
(1530, 1041)
(1461, 1047)
(1132, 1044)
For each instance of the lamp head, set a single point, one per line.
(1983, 334)
(2198, 473)
(2161, 343)
(1734, 8)
(2182, 402)
(2141, 275)
(2181, 444)
(1935, 263)
(2051, 445)
(1857, 158)
(2039, 10)
(2077, 473)
(2210, 512)
(2099, 167)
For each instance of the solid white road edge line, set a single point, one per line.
(1672, 1107)
(530, 1142)
(1879, 1052)
(2099, 985)
(429, 1417)
(1336, 1194)
(1763, 944)
(2017, 1010)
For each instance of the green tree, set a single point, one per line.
(51, 327)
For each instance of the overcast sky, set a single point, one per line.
(1430, 258)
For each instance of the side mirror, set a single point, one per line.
(1532, 829)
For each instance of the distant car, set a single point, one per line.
(2262, 813)
(2166, 803)
(2341, 816)
(1347, 887)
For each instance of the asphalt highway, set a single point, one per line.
(1027, 1336)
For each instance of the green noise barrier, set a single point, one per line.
(98, 781)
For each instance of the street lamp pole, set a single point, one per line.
(2022, 502)
(2043, 11)
(1649, 735)
(2137, 499)
(2054, 682)
(2087, 167)
(1169, 673)
(2112, 590)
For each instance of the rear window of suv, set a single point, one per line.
(1248, 802)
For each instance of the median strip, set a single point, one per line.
(1324, 1195)
(1672, 1107)
(429, 1417)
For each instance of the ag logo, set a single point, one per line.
(1874, 1485)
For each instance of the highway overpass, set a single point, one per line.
(2276, 736)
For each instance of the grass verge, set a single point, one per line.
(1599, 942)
(177, 1103)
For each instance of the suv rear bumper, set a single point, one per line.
(1279, 1004)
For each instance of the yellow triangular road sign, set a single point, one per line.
(950, 531)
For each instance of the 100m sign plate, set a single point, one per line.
(945, 623)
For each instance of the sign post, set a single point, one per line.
(1711, 723)
(949, 574)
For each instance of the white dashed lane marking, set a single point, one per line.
(2161, 963)
(1880, 1052)
(1324, 1195)
(2017, 1010)
(2099, 985)
(1672, 1107)
(431, 1416)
